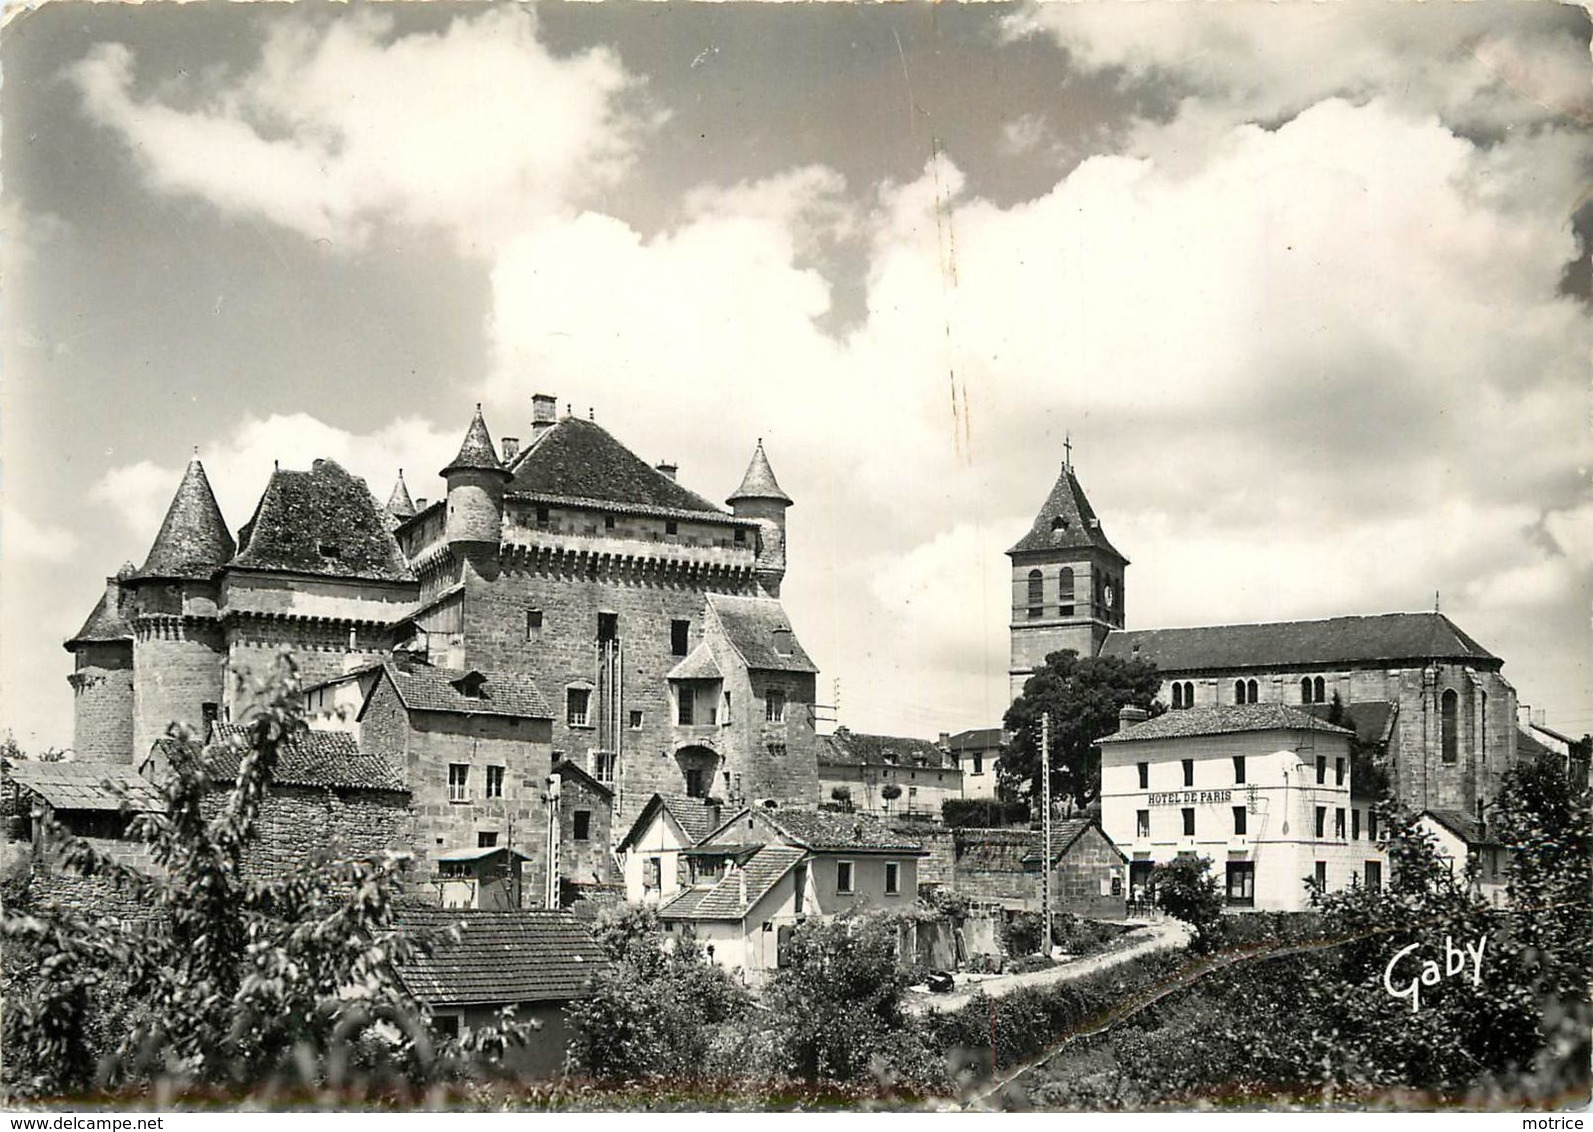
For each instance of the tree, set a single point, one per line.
(225, 980)
(1186, 889)
(1083, 697)
(890, 792)
(842, 796)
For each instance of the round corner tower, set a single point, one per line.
(476, 480)
(760, 499)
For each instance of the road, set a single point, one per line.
(1162, 935)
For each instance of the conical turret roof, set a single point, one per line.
(399, 504)
(193, 541)
(477, 452)
(1066, 521)
(759, 482)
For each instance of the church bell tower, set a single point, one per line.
(1067, 581)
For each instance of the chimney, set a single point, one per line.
(511, 447)
(544, 414)
(420, 504)
(668, 469)
(1128, 715)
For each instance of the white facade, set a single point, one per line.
(1482, 864)
(1270, 808)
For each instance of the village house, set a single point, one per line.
(652, 851)
(859, 767)
(1087, 874)
(752, 880)
(977, 754)
(1474, 854)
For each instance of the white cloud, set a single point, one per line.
(25, 539)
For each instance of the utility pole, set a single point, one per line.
(1045, 852)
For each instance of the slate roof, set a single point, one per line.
(423, 688)
(1371, 720)
(980, 739)
(1224, 719)
(853, 748)
(193, 542)
(749, 624)
(1468, 829)
(1063, 834)
(105, 623)
(699, 664)
(580, 460)
(723, 901)
(1066, 522)
(81, 785)
(399, 504)
(826, 832)
(1295, 644)
(694, 816)
(325, 522)
(476, 453)
(759, 482)
(501, 957)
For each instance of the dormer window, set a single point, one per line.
(1059, 524)
(782, 641)
(471, 685)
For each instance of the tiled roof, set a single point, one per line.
(982, 739)
(323, 521)
(1066, 521)
(698, 665)
(570, 767)
(1468, 829)
(724, 900)
(695, 817)
(579, 459)
(477, 452)
(106, 622)
(1224, 719)
(750, 624)
(1063, 834)
(823, 831)
(193, 541)
(423, 688)
(759, 482)
(82, 785)
(326, 759)
(1293, 644)
(1370, 720)
(853, 748)
(501, 957)
(399, 504)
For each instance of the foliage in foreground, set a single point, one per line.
(221, 981)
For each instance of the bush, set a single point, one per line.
(983, 813)
(1187, 890)
(1022, 933)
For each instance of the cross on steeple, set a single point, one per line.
(1067, 445)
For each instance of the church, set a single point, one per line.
(1414, 687)
(565, 632)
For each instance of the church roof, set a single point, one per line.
(193, 541)
(751, 625)
(1295, 644)
(477, 452)
(399, 504)
(323, 521)
(759, 482)
(1066, 521)
(1223, 719)
(105, 623)
(1371, 720)
(578, 459)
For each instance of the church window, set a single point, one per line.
(1238, 691)
(1178, 695)
(1305, 690)
(1252, 691)
(1036, 595)
(1448, 709)
(1319, 688)
(1183, 694)
(1065, 592)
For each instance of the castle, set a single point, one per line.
(1426, 697)
(566, 611)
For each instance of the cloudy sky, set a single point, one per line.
(1306, 284)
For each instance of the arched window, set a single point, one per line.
(1319, 686)
(1178, 694)
(1036, 595)
(1252, 692)
(1238, 691)
(1064, 594)
(1305, 690)
(1448, 704)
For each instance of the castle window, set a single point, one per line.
(1448, 706)
(679, 637)
(685, 705)
(1036, 595)
(487, 840)
(774, 707)
(576, 702)
(583, 825)
(777, 750)
(494, 782)
(636, 720)
(1064, 583)
(695, 787)
(458, 782)
(533, 623)
(607, 627)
